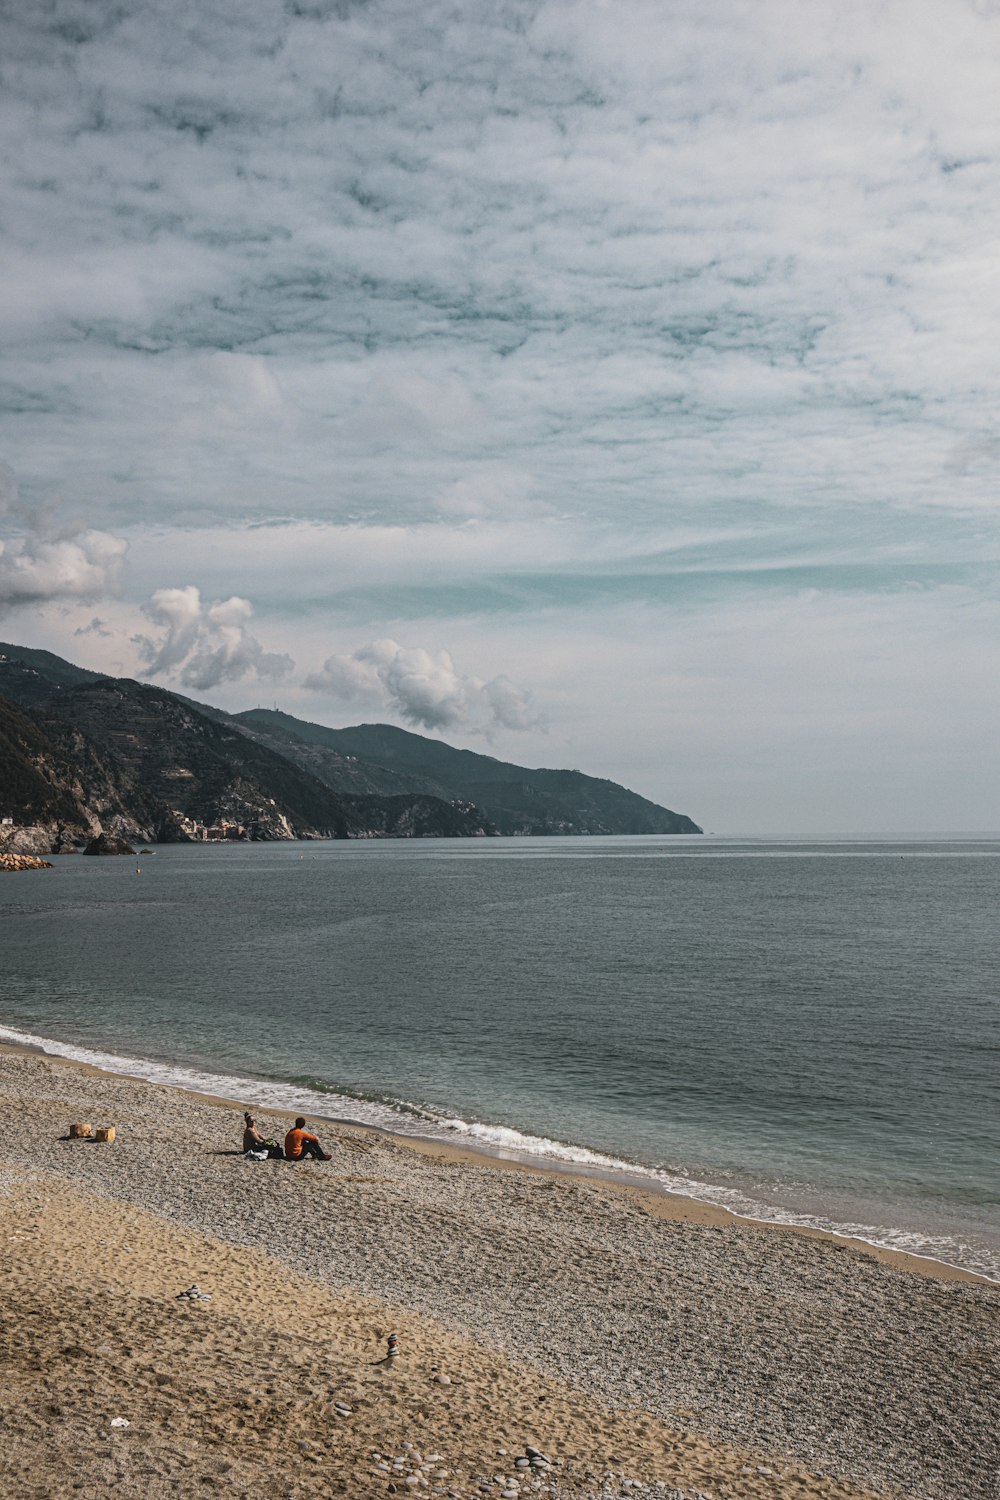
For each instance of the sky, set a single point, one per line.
(606, 385)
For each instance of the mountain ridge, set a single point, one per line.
(89, 754)
(148, 763)
(519, 800)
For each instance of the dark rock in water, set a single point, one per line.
(106, 843)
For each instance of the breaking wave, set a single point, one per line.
(501, 1142)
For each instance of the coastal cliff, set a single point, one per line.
(518, 800)
(82, 755)
(138, 763)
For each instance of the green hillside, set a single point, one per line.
(517, 799)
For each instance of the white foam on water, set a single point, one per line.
(504, 1138)
(263, 1094)
(941, 1248)
(501, 1141)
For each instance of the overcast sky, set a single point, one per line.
(611, 385)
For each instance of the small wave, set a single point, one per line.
(504, 1138)
(401, 1118)
(289, 1098)
(514, 1143)
(364, 1096)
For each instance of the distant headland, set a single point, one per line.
(83, 755)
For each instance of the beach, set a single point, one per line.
(639, 1346)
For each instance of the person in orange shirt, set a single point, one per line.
(300, 1142)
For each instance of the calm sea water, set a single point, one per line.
(810, 1031)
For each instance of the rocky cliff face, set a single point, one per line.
(22, 841)
(92, 754)
(56, 789)
(119, 757)
(408, 817)
(205, 775)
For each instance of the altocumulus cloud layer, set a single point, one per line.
(626, 368)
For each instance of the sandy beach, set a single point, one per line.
(640, 1346)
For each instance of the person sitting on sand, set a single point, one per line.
(300, 1142)
(254, 1141)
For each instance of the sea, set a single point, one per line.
(806, 1031)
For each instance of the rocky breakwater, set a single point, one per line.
(23, 862)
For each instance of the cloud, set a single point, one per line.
(480, 496)
(85, 566)
(425, 688)
(511, 706)
(97, 626)
(664, 259)
(482, 323)
(203, 645)
(49, 558)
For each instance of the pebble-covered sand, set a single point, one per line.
(634, 1353)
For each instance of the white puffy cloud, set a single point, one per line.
(45, 557)
(84, 566)
(202, 645)
(425, 688)
(511, 706)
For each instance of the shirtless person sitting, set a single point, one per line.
(300, 1142)
(254, 1141)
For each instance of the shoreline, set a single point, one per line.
(661, 1202)
(644, 1350)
